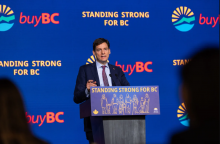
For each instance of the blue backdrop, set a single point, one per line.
(63, 32)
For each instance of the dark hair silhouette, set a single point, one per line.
(14, 128)
(201, 79)
(100, 41)
(200, 93)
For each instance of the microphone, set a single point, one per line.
(112, 78)
(118, 78)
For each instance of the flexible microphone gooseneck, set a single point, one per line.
(118, 78)
(112, 78)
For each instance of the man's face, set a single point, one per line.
(102, 52)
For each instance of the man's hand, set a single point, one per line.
(90, 83)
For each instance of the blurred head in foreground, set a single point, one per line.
(14, 128)
(200, 93)
(200, 89)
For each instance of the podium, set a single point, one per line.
(117, 113)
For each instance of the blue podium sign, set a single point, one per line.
(125, 100)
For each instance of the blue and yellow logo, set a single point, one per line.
(6, 18)
(92, 59)
(182, 115)
(183, 19)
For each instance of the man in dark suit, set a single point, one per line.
(99, 73)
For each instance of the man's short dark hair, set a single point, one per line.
(100, 41)
(201, 79)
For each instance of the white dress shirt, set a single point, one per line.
(107, 71)
(99, 70)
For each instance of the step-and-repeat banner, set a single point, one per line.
(43, 44)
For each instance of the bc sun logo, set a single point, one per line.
(91, 59)
(6, 18)
(182, 115)
(183, 19)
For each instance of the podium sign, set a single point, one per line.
(124, 100)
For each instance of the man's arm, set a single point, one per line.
(79, 92)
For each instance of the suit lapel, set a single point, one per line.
(112, 71)
(95, 73)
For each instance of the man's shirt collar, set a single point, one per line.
(99, 65)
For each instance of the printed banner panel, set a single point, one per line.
(125, 100)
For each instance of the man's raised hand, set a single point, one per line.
(90, 83)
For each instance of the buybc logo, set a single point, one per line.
(7, 18)
(138, 67)
(50, 117)
(183, 19)
(44, 18)
(182, 115)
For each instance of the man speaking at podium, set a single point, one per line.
(99, 73)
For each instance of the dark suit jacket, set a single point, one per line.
(89, 72)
